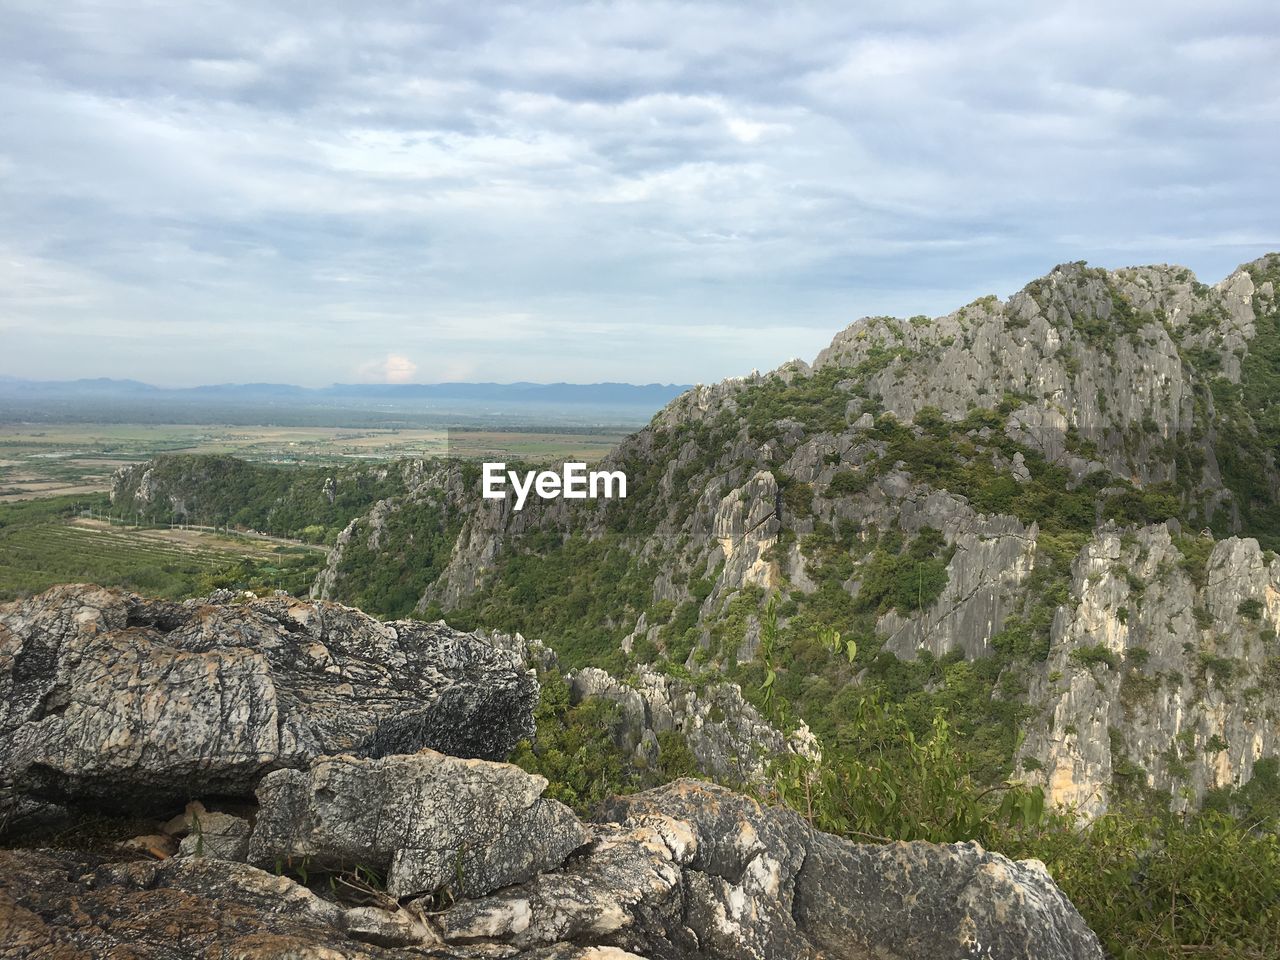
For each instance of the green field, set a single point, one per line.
(46, 542)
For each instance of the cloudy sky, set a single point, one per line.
(331, 191)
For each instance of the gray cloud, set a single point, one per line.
(671, 191)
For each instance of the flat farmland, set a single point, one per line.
(43, 460)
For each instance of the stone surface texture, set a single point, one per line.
(427, 821)
(127, 701)
(693, 869)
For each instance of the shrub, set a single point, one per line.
(1250, 609)
(1091, 655)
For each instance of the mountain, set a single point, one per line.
(1003, 574)
(1051, 517)
(602, 393)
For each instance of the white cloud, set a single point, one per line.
(393, 368)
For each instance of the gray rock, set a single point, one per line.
(135, 703)
(427, 821)
(1184, 697)
(627, 891)
(693, 869)
(403, 928)
(926, 901)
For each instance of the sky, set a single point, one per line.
(675, 192)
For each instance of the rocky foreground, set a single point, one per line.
(324, 785)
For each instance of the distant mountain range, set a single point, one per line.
(624, 394)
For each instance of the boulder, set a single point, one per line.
(628, 890)
(138, 703)
(425, 821)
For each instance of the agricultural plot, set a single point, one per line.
(52, 459)
(50, 549)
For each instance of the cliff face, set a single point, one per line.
(1163, 674)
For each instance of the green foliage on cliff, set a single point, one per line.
(576, 749)
(311, 503)
(907, 581)
(576, 593)
(805, 399)
(1248, 422)
(387, 573)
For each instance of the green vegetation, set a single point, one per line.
(387, 574)
(313, 503)
(43, 543)
(576, 750)
(1250, 609)
(1151, 885)
(1247, 423)
(1097, 654)
(577, 594)
(806, 399)
(907, 581)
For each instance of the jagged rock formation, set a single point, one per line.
(695, 870)
(127, 701)
(995, 440)
(690, 870)
(425, 820)
(1162, 673)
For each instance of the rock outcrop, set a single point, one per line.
(728, 738)
(1162, 674)
(426, 821)
(108, 697)
(79, 907)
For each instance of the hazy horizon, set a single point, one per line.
(633, 192)
(210, 384)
